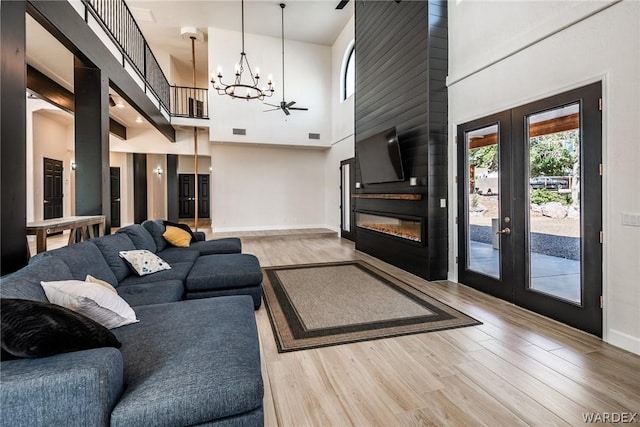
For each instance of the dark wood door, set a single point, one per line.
(347, 202)
(203, 196)
(52, 203)
(187, 196)
(115, 196)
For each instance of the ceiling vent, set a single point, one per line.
(314, 136)
(237, 131)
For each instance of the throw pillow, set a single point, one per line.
(184, 227)
(92, 300)
(40, 329)
(92, 279)
(177, 236)
(143, 262)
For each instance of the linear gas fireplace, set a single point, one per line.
(408, 228)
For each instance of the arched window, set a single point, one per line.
(349, 72)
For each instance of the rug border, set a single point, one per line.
(361, 264)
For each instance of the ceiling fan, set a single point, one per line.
(284, 105)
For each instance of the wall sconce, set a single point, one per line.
(359, 185)
(73, 165)
(413, 181)
(158, 171)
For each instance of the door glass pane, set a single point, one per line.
(346, 202)
(554, 201)
(483, 216)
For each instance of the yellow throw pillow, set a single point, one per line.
(92, 279)
(177, 236)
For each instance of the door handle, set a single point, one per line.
(505, 230)
(116, 200)
(45, 201)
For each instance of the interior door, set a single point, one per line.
(186, 195)
(530, 206)
(204, 199)
(115, 196)
(347, 202)
(52, 193)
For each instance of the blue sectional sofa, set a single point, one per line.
(190, 360)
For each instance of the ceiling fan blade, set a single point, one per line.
(275, 109)
(299, 108)
(286, 111)
(271, 105)
(290, 104)
(342, 4)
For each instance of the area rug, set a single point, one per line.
(317, 305)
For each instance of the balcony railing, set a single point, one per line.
(116, 18)
(191, 102)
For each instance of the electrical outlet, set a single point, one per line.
(631, 218)
(443, 203)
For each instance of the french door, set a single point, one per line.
(530, 206)
(52, 194)
(187, 199)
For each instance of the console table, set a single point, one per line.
(83, 223)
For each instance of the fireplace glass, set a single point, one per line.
(404, 228)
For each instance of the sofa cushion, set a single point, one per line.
(225, 271)
(184, 227)
(178, 378)
(155, 227)
(229, 245)
(92, 300)
(173, 254)
(40, 329)
(85, 258)
(152, 293)
(25, 283)
(143, 262)
(179, 271)
(110, 246)
(177, 236)
(140, 237)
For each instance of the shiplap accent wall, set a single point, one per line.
(401, 67)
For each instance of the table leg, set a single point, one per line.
(41, 241)
(91, 233)
(72, 236)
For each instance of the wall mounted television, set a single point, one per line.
(379, 158)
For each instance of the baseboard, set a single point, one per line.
(624, 341)
(218, 229)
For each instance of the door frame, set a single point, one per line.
(350, 234)
(588, 315)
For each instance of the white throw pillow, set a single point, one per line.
(143, 262)
(92, 300)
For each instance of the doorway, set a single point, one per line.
(347, 202)
(52, 190)
(187, 199)
(530, 206)
(115, 196)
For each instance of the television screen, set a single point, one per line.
(379, 158)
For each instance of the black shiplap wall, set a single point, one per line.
(401, 67)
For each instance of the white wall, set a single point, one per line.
(52, 139)
(495, 65)
(149, 140)
(265, 188)
(308, 79)
(124, 161)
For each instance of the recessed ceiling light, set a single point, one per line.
(139, 120)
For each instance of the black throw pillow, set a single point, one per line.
(40, 329)
(184, 227)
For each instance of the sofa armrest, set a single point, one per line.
(199, 235)
(79, 388)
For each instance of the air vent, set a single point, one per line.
(239, 131)
(314, 136)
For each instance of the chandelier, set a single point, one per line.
(238, 89)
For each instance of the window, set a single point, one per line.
(349, 72)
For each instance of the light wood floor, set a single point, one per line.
(517, 368)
